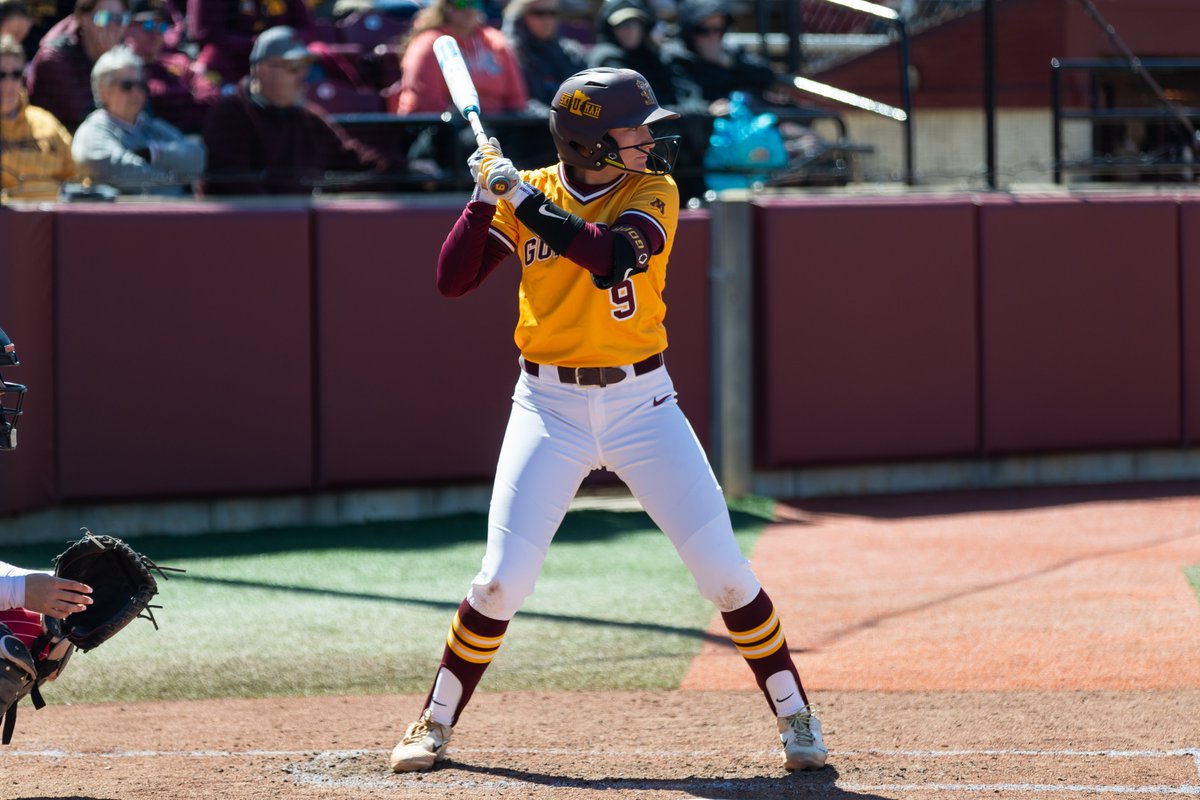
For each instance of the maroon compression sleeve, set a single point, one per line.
(470, 253)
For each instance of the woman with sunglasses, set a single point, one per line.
(35, 149)
(120, 145)
(178, 94)
(700, 53)
(59, 78)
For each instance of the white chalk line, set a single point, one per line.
(1190, 752)
(313, 775)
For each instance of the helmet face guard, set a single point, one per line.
(595, 101)
(660, 155)
(10, 408)
(10, 412)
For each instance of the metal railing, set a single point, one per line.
(1173, 158)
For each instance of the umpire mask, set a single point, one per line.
(12, 395)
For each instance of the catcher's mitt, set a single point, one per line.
(122, 587)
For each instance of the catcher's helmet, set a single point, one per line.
(591, 103)
(9, 414)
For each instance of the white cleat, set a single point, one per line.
(424, 743)
(803, 747)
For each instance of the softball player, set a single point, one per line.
(593, 234)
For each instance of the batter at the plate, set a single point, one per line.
(592, 234)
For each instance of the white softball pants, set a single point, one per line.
(556, 435)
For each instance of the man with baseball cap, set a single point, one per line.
(263, 139)
(282, 43)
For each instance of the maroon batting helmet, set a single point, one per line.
(591, 103)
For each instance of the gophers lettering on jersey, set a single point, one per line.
(563, 318)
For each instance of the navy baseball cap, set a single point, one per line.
(280, 42)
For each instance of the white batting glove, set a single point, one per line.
(491, 149)
(502, 168)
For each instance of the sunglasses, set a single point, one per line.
(128, 85)
(152, 26)
(12, 75)
(110, 19)
(710, 30)
(542, 12)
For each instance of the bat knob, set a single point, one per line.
(499, 186)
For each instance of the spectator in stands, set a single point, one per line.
(60, 76)
(123, 147)
(700, 54)
(178, 94)
(15, 19)
(490, 60)
(44, 14)
(624, 38)
(264, 140)
(35, 149)
(225, 31)
(545, 58)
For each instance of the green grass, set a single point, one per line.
(365, 609)
(1193, 575)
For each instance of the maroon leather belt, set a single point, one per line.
(596, 376)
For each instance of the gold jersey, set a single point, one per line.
(564, 319)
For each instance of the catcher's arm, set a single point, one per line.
(55, 597)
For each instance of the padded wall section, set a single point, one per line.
(1189, 238)
(1080, 324)
(866, 338)
(185, 343)
(413, 387)
(689, 347)
(27, 479)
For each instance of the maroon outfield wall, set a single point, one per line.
(27, 477)
(1081, 325)
(413, 387)
(917, 328)
(867, 337)
(184, 350)
(1189, 243)
(198, 350)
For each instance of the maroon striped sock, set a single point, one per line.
(470, 646)
(758, 636)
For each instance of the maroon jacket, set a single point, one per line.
(254, 149)
(177, 93)
(60, 81)
(225, 31)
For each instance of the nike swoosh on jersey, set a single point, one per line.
(658, 401)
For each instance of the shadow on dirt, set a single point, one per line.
(819, 783)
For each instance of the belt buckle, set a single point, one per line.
(578, 377)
